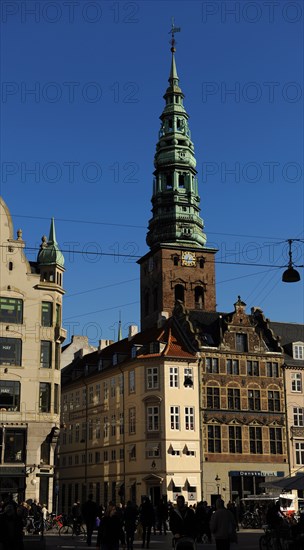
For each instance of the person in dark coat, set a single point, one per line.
(162, 516)
(110, 531)
(182, 520)
(130, 515)
(90, 513)
(147, 519)
(11, 524)
(223, 526)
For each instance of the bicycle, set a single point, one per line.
(73, 530)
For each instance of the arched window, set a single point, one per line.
(199, 297)
(179, 293)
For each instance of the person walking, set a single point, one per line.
(90, 513)
(110, 532)
(182, 520)
(130, 515)
(223, 526)
(147, 519)
(162, 515)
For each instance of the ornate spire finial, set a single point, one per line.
(173, 30)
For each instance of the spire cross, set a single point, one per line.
(173, 30)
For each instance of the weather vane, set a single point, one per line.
(173, 30)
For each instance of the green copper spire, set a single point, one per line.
(175, 201)
(49, 252)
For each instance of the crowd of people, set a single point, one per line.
(118, 525)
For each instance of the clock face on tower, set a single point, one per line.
(188, 259)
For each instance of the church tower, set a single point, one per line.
(178, 266)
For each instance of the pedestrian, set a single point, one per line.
(90, 513)
(162, 515)
(77, 517)
(147, 519)
(223, 526)
(110, 532)
(11, 524)
(130, 515)
(182, 520)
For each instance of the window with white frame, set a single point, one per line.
(189, 418)
(296, 381)
(174, 418)
(188, 377)
(173, 373)
(153, 421)
(152, 378)
(299, 447)
(298, 416)
(298, 350)
(153, 451)
(131, 381)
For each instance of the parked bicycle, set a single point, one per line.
(251, 520)
(73, 529)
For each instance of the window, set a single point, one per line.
(83, 432)
(121, 384)
(298, 351)
(131, 381)
(241, 342)
(56, 398)
(105, 391)
(97, 429)
(91, 395)
(76, 460)
(105, 456)
(152, 378)
(10, 351)
(213, 397)
(214, 439)
(84, 397)
(9, 395)
(133, 453)
(173, 374)
(254, 400)
(174, 418)
(106, 427)
(90, 429)
(276, 445)
(58, 315)
(113, 387)
(255, 437)
(113, 425)
(113, 454)
(57, 356)
(212, 364)
(153, 418)
(121, 423)
(232, 366)
(199, 297)
(132, 420)
(296, 381)
(153, 450)
(189, 418)
(235, 439)
(44, 397)
(234, 399)
(272, 369)
(45, 354)
(14, 445)
(77, 431)
(274, 401)
(121, 454)
(179, 293)
(188, 377)
(70, 436)
(11, 310)
(299, 446)
(97, 393)
(253, 368)
(298, 416)
(46, 314)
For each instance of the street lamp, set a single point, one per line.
(218, 479)
(291, 275)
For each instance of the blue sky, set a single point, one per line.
(82, 87)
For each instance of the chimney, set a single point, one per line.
(162, 318)
(104, 344)
(133, 330)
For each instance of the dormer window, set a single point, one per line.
(298, 350)
(115, 359)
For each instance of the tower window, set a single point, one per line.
(181, 180)
(169, 180)
(179, 293)
(202, 262)
(199, 297)
(175, 260)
